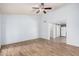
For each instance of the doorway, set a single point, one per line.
(58, 33)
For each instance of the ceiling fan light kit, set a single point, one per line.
(42, 8)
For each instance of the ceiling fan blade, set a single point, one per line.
(48, 8)
(38, 11)
(44, 11)
(35, 7)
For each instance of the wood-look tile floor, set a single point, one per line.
(39, 47)
(61, 39)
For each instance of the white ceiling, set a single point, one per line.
(25, 8)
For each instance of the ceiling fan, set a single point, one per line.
(42, 8)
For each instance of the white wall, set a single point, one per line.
(0, 27)
(51, 30)
(73, 25)
(19, 28)
(39, 25)
(69, 14)
(0, 31)
(44, 32)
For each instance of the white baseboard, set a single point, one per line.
(20, 41)
(73, 44)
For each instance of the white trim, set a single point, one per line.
(73, 44)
